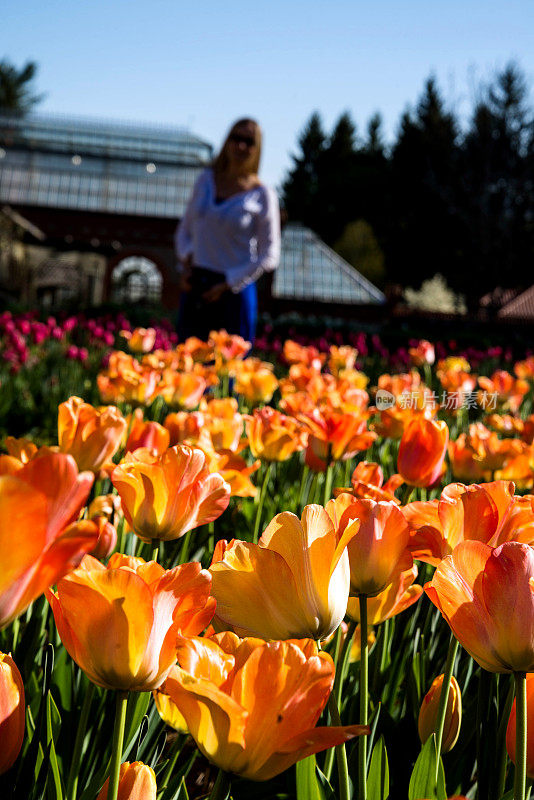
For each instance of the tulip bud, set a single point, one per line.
(137, 781)
(12, 712)
(107, 538)
(422, 451)
(429, 712)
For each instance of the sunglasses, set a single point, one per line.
(249, 141)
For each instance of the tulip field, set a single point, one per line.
(303, 570)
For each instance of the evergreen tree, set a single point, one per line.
(499, 186)
(374, 144)
(16, 89)
(337, 191)
(301, 190)
(427, 228)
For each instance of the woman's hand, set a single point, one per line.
(213, 294)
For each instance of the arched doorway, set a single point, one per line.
(136, 279)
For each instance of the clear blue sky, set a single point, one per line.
(203, 63)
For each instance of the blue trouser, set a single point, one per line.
(237, 313)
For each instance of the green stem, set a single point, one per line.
(328, 479)
(329, 758)
(15, 630)
(184, 552)
(221, 787)
(261, 501)
(520, 778)
(211, 537)
(341, 754)
(444, 696)
(72, 781)
(502, 755)
(406, 494)
(303, 483)
(118, 739)
(364, 691)
(155, 549)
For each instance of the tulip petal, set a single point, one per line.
(256, 592)
(305, 744)
(215, 720)
(121, 621)
(451, 590)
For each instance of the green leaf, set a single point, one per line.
(137, 707)
(181, 794)
(53, 723)
(423, 784)
(307, 784)
(378, 777)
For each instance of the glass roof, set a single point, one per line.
(80, 135)
(310, 270)
(88, 165)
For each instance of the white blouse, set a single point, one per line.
(238, 237)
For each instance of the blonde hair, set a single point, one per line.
(220, 162)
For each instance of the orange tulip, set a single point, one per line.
(422, 452)
(378, 549)
(525, 369)
(224, 422)
(294, 583)
(92, 436)
(306, 379)
(510, 730)
(12, 712)
(341, 358)
(21, 449)
(272, 436)
(368, 483)
(128, 384)
(147, 434)
(184, 425)
(252, 707)
(255, 381)
(457, 385)
(334, 436)
(107, 538)
(428, 713)
(485, 594)
(401, 593)
(137, 781)
(165, 496)
(228, 346)
(487, 512)
(108, 506)
(295, 353)
(182, 389)
(235, 471)
(38, 508)
(502, 390)
(424, 353)
(119, 623)
(140, 340)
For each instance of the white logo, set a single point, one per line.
(384, 399)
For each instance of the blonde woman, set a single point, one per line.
(228, 237)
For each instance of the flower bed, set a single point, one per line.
(260, 576)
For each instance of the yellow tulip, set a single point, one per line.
(293, 584)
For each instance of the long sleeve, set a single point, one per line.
(267, 236)
(183, 237)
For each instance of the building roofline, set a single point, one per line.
(349, 270)
(105, 125)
